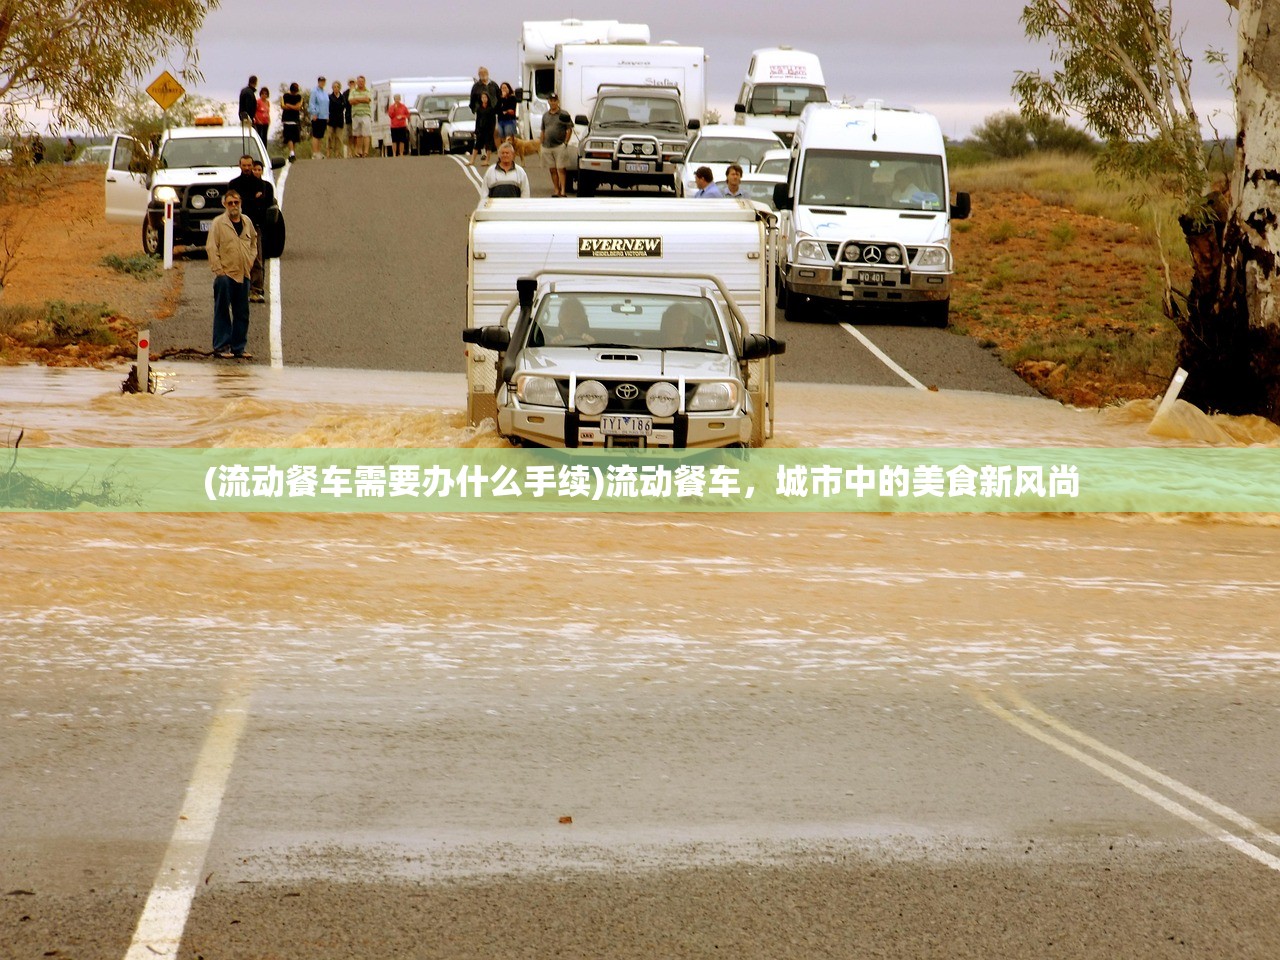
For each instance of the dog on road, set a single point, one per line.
(525, 148)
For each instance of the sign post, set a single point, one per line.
(166, 91)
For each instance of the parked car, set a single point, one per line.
(775, 161)
(429, 112)
(458, 129)
(720, 144)
(759, 187)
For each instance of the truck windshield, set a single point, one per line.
(428, 103)
(638, 111)
(854, 178)
(784, 100)
(653, 321)
(207, 151)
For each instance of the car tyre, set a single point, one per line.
(586, 184)
(937, 313)
(152, 234)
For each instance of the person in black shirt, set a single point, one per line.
(291, 120)
(249, 101)
(257, 195)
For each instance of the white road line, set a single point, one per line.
(474, 175)
(163, 919)
(1141, 789)
(883, 357)
(1240, 820)
(274, 336)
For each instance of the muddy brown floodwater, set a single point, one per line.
(638, 634)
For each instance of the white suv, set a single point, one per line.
(191, 169)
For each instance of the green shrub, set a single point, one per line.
(138, 265)
(64, 323)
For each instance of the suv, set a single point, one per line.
(431, 110)
(636, 136)
(625, 361)
(190, 169)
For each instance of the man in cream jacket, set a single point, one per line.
(232, 246)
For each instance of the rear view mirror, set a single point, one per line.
(960, 209)
(491, 338)
(780, 199)
(756, 346)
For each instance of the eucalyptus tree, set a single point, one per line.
(1121, 67)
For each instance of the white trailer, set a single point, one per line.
(631, 243)
(537, 58)
(581, 68)
(779, 84)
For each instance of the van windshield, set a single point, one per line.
(207, 151)
(854, 178)
(784, 100)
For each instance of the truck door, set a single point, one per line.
(126, 184)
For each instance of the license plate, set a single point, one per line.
(621, 425)
(206, 226)
(637, 168)
(868, 276)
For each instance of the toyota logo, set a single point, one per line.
(627, 391)
(211, 193)
(872, 254)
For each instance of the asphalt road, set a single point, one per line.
(374, 277)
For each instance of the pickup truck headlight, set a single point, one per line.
(662, 399)
(541, 391)
(714, 396)
(165, 195)
(811, 250)
(933, 257)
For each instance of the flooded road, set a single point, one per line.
(754, 735)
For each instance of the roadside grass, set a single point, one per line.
(57, 323)
(1061, 275)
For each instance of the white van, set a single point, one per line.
(865, 211)
(409, 88)
(537, 59)
(780, 83)
(627, 261)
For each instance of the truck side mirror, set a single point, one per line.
(580, 119)
(781, 201)
(960, 209)
(756, 346)
(739, 108)
(695, 124)
(491, 338)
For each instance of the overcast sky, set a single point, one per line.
(955, 59)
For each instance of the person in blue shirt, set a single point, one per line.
(706, 184)
(319, 107)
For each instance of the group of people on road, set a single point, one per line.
(709, 189)
(341, 121)
(494, 106)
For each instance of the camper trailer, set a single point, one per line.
(537, 58)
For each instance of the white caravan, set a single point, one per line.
(865, 212)
(582, 68)
(624, 378)
(537, 59)
(780, 83)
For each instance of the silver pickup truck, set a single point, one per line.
(625, 361)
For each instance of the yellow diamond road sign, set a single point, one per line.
(165, 90)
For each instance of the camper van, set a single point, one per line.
(865, 216)
(620, 322)
(537, 59)
(409, 88)
(780, 83)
